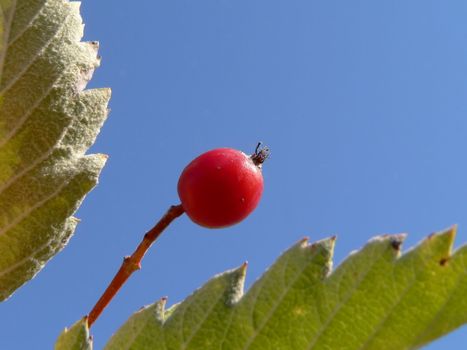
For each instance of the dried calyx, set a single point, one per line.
(260, 155)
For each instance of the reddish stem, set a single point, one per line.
(132, 263)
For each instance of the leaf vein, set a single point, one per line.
(200, 324)
(38, 205)
(276, 305)
(49, 41)
(27, 115)
(341, 304)
(24, 260)
(26, 27)
(7, 38)
(389, 313)
(443, 307)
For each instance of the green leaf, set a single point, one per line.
(376, 299)
(75, 338)
(47, 122)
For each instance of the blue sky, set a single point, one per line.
(363, 104)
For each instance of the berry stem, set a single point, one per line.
(133, 263)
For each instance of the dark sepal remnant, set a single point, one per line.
(260, 155)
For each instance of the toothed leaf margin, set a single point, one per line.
(47, 122)
(376, 299)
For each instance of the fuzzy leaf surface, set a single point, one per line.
(47, 122)
(376, 299)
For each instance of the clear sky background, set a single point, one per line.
(363, 104)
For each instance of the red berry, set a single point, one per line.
(222, 187)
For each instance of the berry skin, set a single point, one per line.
(222, 187)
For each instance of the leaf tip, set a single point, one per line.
(441, 244)
(321, 251)
(236, 285)
(448, 234)
(303, 242)
(326, 244)
(75, 220)
(103, 156)
(393, 241)
(396, 241)
(159, 309)
(94, 44)
(75, 336)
